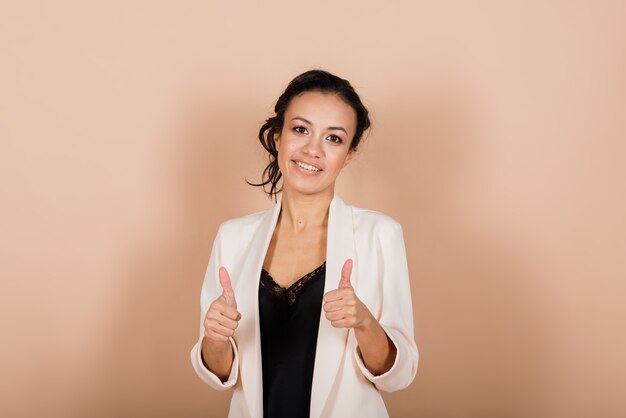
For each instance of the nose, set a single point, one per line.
(313, 147)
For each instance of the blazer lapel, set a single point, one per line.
(331, 342)
(248, 332)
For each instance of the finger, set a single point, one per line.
(332, 295)
(221, 319)
(340, 305)
(335, 316)
(344, 293)
(341, 323)
(219, 329)
(220, 305)
(333, 306)
(227, 288)
(233, 314)
(212, 335)
(229, 312)
(346, 271)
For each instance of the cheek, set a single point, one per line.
(285, 149)
(283, 156)
(286, 146)
(336, 159)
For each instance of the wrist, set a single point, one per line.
(215, 346)
(367, 322)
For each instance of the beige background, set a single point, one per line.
(127, 129)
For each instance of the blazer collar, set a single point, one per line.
(331, 342)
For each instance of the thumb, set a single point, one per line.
(346, 271)
(227, 288)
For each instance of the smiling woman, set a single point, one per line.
(318, 145)
(272, 273)
(333, 109)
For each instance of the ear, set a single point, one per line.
(350, 156)
(277, 140)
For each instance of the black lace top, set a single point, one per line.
(289, 320)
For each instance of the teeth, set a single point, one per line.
(307, 166)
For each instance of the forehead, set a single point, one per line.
(322, 109)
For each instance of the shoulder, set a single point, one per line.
(374, 222)
(243, 224)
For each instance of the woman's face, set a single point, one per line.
(314, 144)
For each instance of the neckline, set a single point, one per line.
(294, 284)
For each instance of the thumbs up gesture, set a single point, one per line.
(342, 306)
(222, 318)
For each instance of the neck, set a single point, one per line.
(299, 211)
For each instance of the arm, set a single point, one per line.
(215, 362)
(218, 377)
(376, 348)
(395, 317)
(217, 357)
(386, 352)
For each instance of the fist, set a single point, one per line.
(342, 306)
(222, 318)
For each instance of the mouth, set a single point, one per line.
(307, 167)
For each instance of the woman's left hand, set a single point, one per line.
(342, 306)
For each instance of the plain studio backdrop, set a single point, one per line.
(128, 128)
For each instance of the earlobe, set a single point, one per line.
(349, 157)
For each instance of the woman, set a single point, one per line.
(306, 307)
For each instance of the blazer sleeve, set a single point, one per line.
(396, 316)
(210, 291)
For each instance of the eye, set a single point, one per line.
(335, 139)
(300, 129)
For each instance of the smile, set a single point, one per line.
(307, 167)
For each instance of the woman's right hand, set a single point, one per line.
(222, 318)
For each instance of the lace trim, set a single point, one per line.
(291, 293)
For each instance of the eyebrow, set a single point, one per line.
(337, 128)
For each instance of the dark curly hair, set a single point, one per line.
(313, 80)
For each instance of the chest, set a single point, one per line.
(293, 255)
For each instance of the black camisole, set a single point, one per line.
(289, 320)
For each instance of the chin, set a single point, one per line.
(307, 189)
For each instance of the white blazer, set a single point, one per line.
(342, 385)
